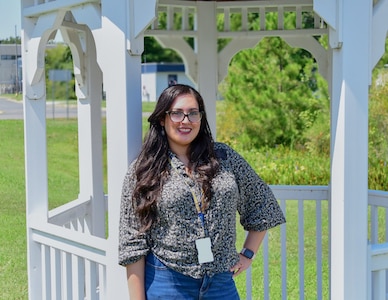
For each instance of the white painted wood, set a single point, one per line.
(67, 260)
(73, 210)
(79, 292)
(328, 9)
(35, 154)
(207, 59)
(301, 194)
(55, 274)
(231, 49)
(283, 240)
(301, 246)
(45, 289)
(122, 80)
(265, 267)
(67, 272)
(185, 51)
(102, 281)
(40, 8)
(88, 13)
(89, 94)
(349, 156)
(319, 248)
(379, 30)
(379, 266)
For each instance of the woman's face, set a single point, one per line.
(181, 134)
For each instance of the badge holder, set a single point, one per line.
(205, 253)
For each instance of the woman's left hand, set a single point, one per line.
(243, 264)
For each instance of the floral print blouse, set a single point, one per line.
(235, 188)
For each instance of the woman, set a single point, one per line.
(179, 203)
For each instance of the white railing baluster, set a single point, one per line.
(88, 280)
(374, 224)
(102, 281)
(280, 17)
(318, 218)
(226, 19)
(66, 275)
(248, 280)
(301, 248)
(244, 19)
(170, 18)
(283, 239)
(93, 280)
(75, 281)
(262, 18)
(78, 277)
(46, 273)
(266, 267)
(71, 270)
(55, 262)
(386, 225)
(299, 18)
(185, 18)
(317, 21)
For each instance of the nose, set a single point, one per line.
(185, 117)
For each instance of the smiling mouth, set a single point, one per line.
(184, 130)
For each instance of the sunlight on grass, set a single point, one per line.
(278, 166)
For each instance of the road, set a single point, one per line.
(12, 109)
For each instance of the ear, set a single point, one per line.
(162, 123)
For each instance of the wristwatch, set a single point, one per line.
(247, 253)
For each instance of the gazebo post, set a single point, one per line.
(35, 36)
(349, 150)
(207, 58)
(121, 64)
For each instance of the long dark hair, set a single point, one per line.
(152, 165)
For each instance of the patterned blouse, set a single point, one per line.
(235, 188)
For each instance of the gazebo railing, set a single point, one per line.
(72, 264)
(293, 262)
(378, 248)
(306, 230)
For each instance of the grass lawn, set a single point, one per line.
(13, 275)
(280, 166)
(63, 185)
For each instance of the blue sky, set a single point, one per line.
(9, 17)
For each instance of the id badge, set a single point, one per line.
(205, 253)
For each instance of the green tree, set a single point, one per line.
(378, 125)
(154, 52)
(11, 40)
(272, 91)
(59, 57)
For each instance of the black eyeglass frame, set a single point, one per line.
(200, 113)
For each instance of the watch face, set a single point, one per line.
(248, 253)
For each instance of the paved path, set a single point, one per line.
(12, 109)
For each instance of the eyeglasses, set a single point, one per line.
(179, 116)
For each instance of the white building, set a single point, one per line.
(155, 77)
(10, 68)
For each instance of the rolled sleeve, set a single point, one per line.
(132, 243)
(257, 206)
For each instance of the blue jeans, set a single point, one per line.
(162, 282)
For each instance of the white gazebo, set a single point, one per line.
(69, 255)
